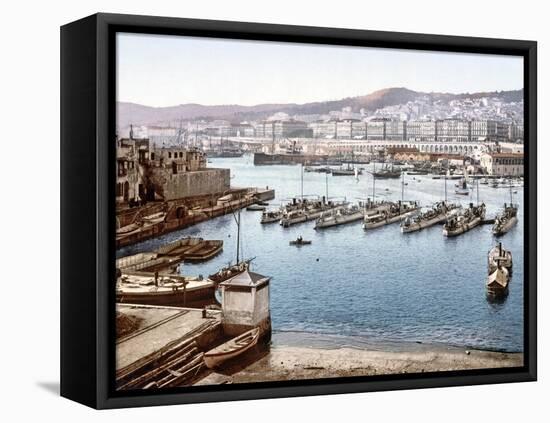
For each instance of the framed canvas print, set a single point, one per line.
(257, 211)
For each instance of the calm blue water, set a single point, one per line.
(380, 285)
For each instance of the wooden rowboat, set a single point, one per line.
(231, 349)
(299, 242)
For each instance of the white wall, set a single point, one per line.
(30, 287)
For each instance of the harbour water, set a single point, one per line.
(379, 286)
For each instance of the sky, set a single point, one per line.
(161, 70)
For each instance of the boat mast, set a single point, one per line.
(238, 233)
(326, 186)
(302, 182)
(445, 187)
(402, 187)
(477, 185)
(373, 181)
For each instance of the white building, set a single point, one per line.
(502, 164)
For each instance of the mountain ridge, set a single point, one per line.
(139, 114)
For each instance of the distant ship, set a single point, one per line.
(387, 173)
(289, 155)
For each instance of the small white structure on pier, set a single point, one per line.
(245, 303)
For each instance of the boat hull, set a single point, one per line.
(217, 357)
(510, 223)
(462, 228)
(189, 298)
(417, 226)
(388, 221)
(339, 220)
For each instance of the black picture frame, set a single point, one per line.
(87, 207)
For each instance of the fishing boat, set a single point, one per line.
(467, 219)
(395, 213)
(299, 241)
(221, 354)
(462, 188)
(498, 256)
(340, 217)
(437, 214)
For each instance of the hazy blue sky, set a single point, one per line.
(168, 70)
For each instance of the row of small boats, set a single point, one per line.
(456, 219)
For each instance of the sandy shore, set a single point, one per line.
(292, 363)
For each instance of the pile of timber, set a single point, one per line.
(178, 363)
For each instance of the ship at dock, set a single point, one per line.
(437, 214)
(392, 214)
(465, 220)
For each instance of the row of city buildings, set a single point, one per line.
(395, 130)
(379, 128)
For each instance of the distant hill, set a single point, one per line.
(145, 115)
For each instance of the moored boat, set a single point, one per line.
(154, 218)
(395, 213)
(174, 290)
(340, 217)
(230, 271)
(256, 207)
(311, 211)
(498, 256)
(387, 173)
(469, 218)
(497, 282)
(437, 214)
(506, 220)
(221, 354)
(271, 216)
